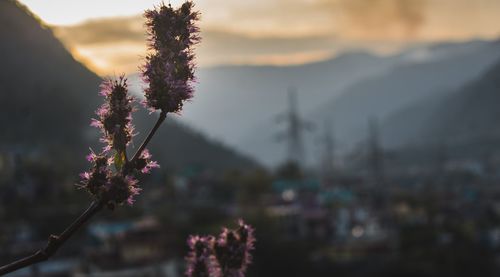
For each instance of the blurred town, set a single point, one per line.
(374, 218)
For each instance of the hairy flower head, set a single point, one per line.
(232, 250)
(122, 189)
(144, 164)
(227, 256)
(101, 182)
(115, 122)
(115, 115)
(169, 68)
(199, 257)
(95, 180)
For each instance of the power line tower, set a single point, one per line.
(294, 132)
(375, 155)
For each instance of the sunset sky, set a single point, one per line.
(108, 35)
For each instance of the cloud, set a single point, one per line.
(117, 44)
(107, 30)
(380, 18)
(359, 19)
(222, 47)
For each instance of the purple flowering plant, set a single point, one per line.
(113, 176)
(169, 68)
(225, 256)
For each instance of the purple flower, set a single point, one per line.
(199, 257)
(228, 256)
(169, 71)
(115, 115)
(95, 180)
(232, 250)
(118, 185)
(120, 189)
(144, 163)
(169, 68)
(101, 182)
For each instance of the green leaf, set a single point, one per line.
(119, 160)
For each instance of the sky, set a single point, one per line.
(108, 35)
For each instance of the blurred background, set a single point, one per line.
(359, 137)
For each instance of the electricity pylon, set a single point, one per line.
(294, 132)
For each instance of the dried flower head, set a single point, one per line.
(169, 68)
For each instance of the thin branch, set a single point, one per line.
(137, 154)
(55, 242)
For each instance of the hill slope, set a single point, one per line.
(404, 85)
(40, 83)
(463, 116)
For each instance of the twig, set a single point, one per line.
(55, 242)
(137, 154)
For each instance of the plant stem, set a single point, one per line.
(137, 154)
(55, 242)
